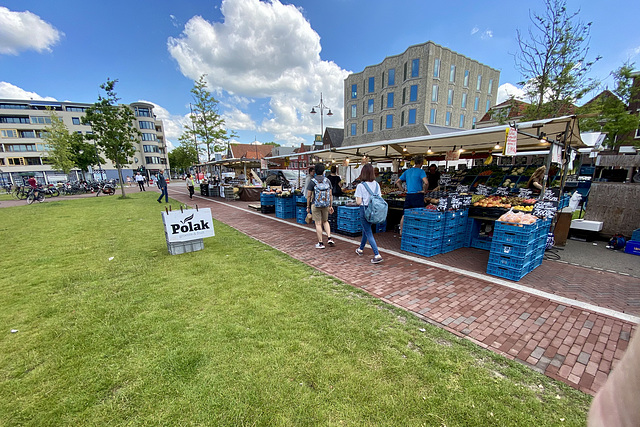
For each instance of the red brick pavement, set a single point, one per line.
(559, 336)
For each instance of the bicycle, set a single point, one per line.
(36, 194)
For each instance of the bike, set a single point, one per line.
(36, 194)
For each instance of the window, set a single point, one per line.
(476, 104)
(382, 80)
(14, 107)
(402, 119)
(490, 86)
(76, 109)
(142, 112)
(473, 122)
(15, 161)
(434, 93)
(372, 84)
(381, 124)
(452, 73)
(381, 102)
(32, 161)
(436, 68)
(370, 106)
(404, 75)
(389, 121)
(404, 95)
(153, 160)
(16, 119)
(415, 67)
(450, 97)
(147, 125)
(413, 93)
(391, 77)
(20, 147)
(465, 83)
(390, 97)
(370, 125)
(432, 116)
(463, 104)
(149, 137)
(151, 149)
(9, 133)
(354, 91)
(479, 83)
(40, 120)
(412, 116)
(75, 120)
(461, 120)
(488, 105)
(354, 111)
(27, 134)
(353, 129)
(447, 119)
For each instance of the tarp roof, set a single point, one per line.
(479, 140)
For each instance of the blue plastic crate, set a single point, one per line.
(511, 235)
(350, 212)
(635, 236)
(421, 241)
(379, 228)
(410, 227)
(285, 214)
(632, 247)
(523, 229)
(301, 219)
(423, 213)
(267, 199)
(514, 274)
(419, 249)
(352, 226)
(509, 260)
(511, 249)
(451, 246)
(301, 199)
(484, 244)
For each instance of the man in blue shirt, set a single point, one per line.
(417, 183)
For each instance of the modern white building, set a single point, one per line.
(23, 149)
(425, 90)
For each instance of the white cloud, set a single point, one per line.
(634, 52)
(235, 119)
(507, 90)
(264, 50)
(21, 31)
(9, 91)
(474, 30)
(487, 34)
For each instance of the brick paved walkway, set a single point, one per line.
(570, 323)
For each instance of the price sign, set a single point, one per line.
(443, 204)
(545, 209)
(525, 193)
(445, 179)
(502, 191)
(456, 202)
(551, 194)
(483, 190)
(462, 189)
(466, 201)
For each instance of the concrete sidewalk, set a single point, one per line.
(568, 322)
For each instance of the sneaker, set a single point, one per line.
(359, 251)
(331, 242)
(319, 245)
(376, 259)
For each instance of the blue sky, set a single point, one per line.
(266, 62)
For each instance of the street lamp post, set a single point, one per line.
(322, 107)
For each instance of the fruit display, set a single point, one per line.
(518, 218)
(528, 208)
(492, 202)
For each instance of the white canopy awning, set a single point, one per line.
(478, 140)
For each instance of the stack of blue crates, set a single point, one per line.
(285, 207)
(267, 203)
(422, 232)
(517, 249)
(349, 220)
(455, 230)
(301, 209)
(563, 202)
(379, 228)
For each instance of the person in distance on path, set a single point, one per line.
(140, 181)
(162, 185)
(190, 185)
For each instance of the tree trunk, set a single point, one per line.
(120, 178)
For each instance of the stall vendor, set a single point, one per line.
(535, 182)
(434, 178)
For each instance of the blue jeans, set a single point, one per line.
(367, 234)
(164, 193)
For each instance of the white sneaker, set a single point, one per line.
(319, 245)
(359, 251)
(376, 259)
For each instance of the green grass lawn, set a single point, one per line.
(235, 334)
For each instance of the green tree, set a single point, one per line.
(84, 154)
(113, 128)
(59, 142)
(207, 127)
(183, 157)
(552, 60)
(609, 112)
(275, 144)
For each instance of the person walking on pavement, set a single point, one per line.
(140, 181)
(417, 183)
(320, 204)
(162, 185)
(368, 179)
(190, 185)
